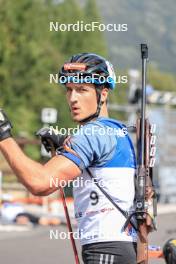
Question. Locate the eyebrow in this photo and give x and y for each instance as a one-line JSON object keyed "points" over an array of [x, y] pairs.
{"points": [[77, 87]]}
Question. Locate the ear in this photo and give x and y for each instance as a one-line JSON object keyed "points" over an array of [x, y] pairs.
{"points": [[104, 94]]}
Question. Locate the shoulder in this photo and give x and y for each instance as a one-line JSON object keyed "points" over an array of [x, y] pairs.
{"points": [[93, 133], [93, 144]]}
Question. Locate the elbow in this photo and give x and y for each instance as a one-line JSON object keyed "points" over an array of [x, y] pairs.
{"points": [[39, 187], [39, 183], [39, 191], [36, 191]]}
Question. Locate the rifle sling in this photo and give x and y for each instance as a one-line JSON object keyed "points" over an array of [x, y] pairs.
{"points": [[124, 213]]}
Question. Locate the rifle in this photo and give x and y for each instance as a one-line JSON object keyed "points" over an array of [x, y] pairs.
{"points": [[146, 198]]}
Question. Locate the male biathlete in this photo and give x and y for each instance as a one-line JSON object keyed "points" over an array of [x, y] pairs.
{"points": [[100, 157]]}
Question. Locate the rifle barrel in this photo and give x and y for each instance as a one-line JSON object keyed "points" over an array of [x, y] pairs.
{"points": [[144, 55]]}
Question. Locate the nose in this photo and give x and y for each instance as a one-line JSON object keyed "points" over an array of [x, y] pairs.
{"points": [[73, 96]]}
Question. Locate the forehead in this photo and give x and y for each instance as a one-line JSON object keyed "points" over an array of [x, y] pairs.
{"points": [[79, 85]]}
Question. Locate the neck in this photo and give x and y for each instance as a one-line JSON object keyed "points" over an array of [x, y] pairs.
{"points": [[103, 113]]}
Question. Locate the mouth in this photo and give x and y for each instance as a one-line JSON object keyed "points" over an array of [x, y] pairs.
{"points": [[75, 109]]}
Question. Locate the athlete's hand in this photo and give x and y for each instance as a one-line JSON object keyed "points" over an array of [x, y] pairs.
{"points": [[5, 126], [50, 139]]}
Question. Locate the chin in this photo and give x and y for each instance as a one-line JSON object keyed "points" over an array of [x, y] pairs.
{"points": [[77, 118]]}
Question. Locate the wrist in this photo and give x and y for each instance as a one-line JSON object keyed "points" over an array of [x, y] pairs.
{"points": [[5, 135], [5, 126], [5, 144]]}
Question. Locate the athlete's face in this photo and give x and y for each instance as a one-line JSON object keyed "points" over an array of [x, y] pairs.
{"points": [[82, 100]]}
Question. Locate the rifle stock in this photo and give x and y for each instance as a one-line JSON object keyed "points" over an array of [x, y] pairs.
{"points": [[145, 195]]}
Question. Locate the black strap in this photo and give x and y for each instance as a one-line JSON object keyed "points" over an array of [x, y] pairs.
{"points": [[124, 213], [99, 104]]}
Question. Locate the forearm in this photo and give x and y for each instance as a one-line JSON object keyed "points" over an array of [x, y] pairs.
{"points": [[35, 176], [32, 174]]}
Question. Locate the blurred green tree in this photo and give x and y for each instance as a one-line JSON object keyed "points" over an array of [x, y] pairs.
{"points": [[29, 52]]}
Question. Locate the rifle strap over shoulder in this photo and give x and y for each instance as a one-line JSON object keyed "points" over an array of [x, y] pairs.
{"points": [[124, 213]]}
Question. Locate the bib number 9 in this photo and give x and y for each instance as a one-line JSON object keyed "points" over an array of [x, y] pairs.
{"points": [[94, 197]]}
